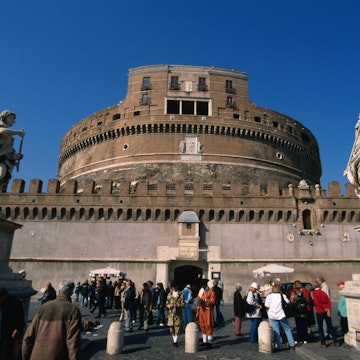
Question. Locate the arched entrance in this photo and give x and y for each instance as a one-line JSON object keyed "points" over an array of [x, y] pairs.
{"points": [[187, 274]]}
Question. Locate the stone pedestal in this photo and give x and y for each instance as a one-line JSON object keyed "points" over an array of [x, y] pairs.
{"points": [[351, 292], [15, 283]]}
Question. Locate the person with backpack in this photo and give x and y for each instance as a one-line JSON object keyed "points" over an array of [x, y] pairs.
{"points": [[253, 306], [300, 298]]}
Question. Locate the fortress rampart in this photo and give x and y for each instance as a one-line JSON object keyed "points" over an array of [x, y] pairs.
{"points": [[136, 226], [164, 201]]}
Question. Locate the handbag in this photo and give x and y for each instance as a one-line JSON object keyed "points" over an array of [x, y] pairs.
{"points": [[288, 308]]}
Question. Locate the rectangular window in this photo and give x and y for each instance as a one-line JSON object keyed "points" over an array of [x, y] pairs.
{"points": [[173, 107], [174, 83], [188, 107], [145, 99], [146, 85], [202, 108], [229, 87], [229, 101], [202, 84]]}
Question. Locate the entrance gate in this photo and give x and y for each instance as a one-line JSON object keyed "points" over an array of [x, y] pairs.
{"points": [[187, 274]]}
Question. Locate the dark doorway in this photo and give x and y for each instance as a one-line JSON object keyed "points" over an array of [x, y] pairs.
{"points": [[187, 274]]}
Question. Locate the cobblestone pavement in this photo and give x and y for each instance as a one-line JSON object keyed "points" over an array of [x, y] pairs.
{"points": [[157, 343]]}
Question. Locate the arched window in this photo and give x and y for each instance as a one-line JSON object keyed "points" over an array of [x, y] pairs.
{"points": [[251, 215], [138, 214], [72, 213], [307, 219], [231, 215], [167, 215], [221, 215], [211, 215]]}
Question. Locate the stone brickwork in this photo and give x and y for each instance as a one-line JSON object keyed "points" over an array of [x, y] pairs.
{"points": [[200, 127]]}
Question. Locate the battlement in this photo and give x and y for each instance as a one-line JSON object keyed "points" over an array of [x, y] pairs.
{"points": [[165, 201], [162, 188]]}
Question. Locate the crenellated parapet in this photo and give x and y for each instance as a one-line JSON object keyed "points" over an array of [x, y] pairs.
{"points": [[144, 201]]}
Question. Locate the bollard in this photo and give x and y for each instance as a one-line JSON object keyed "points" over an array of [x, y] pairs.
{"points": [[191, 338], [265, 337], [115, 339]]}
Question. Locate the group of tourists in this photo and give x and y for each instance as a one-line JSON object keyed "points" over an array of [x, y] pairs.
{"points": [[171, 307], [277, 307]]}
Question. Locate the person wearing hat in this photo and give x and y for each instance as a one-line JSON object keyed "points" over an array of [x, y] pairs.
{"points": [[188, 300], [253, 298], [175, 304], [205, 312], [342, 309], [300, 298]]}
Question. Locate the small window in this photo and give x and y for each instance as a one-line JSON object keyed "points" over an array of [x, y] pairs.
{"points": [[229, 87], [146, 85], [257, 119], [116, 117], [145, 99], [236, 116], [136, 113], [275, 124], [174, 83], [229, 101], [202, 84]]}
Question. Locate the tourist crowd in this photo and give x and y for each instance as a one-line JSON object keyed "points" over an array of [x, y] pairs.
{"points": [[56, 328]]}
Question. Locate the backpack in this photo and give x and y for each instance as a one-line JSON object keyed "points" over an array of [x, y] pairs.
{"points": [[300, 304], [246, 307]]}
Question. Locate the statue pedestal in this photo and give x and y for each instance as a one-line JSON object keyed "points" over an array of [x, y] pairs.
{"points": [[14, 283], [351, 292]]}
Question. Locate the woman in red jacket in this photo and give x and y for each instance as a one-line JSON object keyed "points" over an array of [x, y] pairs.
{"points": [[322, 304]]}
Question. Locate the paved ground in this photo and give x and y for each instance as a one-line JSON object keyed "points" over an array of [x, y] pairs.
{"points": [[157, 343]]}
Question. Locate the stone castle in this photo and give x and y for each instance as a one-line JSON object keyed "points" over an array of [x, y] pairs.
{"points": [[185, 178]]}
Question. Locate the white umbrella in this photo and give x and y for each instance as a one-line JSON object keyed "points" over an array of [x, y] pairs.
{"points": [[106, 272], [272, 269]]}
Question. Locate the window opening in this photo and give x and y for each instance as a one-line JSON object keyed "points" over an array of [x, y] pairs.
{"points": [[173, 107], [229, 86], [146, 85], [202, 84], [174, 83], [188, 107], [202, 108], [307, 219]]}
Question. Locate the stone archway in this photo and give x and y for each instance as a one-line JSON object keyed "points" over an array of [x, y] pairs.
{"points": [[187, 274]]}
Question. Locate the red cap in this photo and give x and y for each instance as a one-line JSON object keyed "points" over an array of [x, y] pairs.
{"points": [[340, 283]]}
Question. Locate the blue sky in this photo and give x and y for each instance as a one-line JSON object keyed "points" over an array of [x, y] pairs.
{"points": [[63, 60]]}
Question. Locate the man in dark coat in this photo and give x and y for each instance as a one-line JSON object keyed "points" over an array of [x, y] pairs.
{"points": [[49, 294], [55, 332], [12, 324]]}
